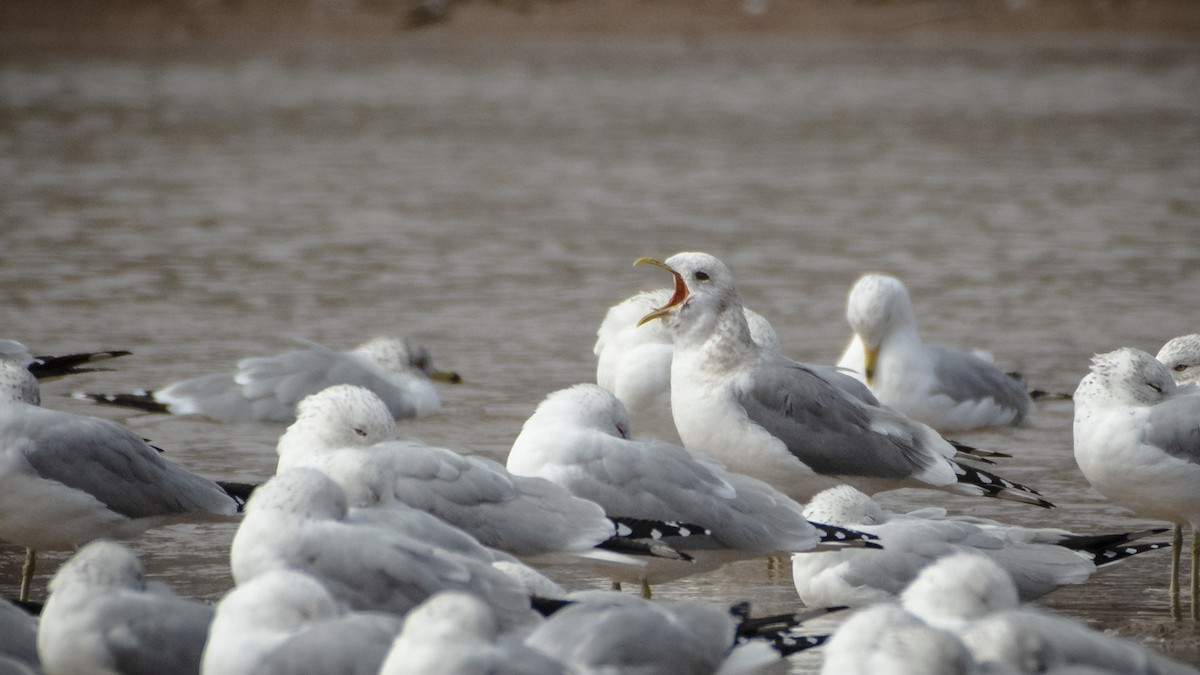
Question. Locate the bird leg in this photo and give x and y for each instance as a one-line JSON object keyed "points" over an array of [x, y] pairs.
{"points": [[1195, 567], [616, 585], [645, 589], [27, 573], [1176, 547]]}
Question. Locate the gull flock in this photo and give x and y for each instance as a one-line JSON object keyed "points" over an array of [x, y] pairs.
{"points": [[701, 443]]}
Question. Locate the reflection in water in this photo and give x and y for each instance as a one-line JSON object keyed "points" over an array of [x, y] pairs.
{"points": [[1038, 199]]}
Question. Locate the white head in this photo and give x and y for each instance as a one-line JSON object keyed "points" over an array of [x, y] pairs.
{"points": [[877, 306], [844, 506], [300, 491], [101, 563], [451, 615], [706, 299], [1127, 377], [958, 589], [1181, 356], [279, 599], [588, 406], [341, 416], [404, 355], [885, 638], [18, 385]]}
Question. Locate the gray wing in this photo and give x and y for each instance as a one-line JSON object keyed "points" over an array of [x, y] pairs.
{"points": [[965, 377], [149, 635], [1174, 427], [519, 514], [111, 463], [823, 426], [216, 396], [355, 644], [277, 383]]}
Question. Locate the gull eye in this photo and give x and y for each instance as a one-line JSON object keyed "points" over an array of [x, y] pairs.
{"points": [[701, 276], [1180, 368], [360, 432]]}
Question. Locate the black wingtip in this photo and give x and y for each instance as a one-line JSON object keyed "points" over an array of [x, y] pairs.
{"points": [[990, 485], [1116, 554], [239, 491], [844, 537], [46, 367], [140, 400]]}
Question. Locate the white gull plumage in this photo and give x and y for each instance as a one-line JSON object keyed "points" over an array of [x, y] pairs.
{"points": [[1137, 441], [974, 598], [634, 362], [103, 616], [300, 520], [66, 479], [785, 423], [946, 388], [267, 388], [1039, 559], [346, 432], [285, 622]]}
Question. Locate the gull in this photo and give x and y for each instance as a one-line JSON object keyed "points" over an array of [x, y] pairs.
{"points": [[975, 599], [580, 438], [103, 616], [18, 640], [288, 622], [66, 479], [267, 389], [456, 632], [610, 632], [946, 388], [783, 422], [300, 520], [1039, 559], [347, 433], [634, 362], [885, 638], [1137, 441], [1181, 356], [48, 367]]}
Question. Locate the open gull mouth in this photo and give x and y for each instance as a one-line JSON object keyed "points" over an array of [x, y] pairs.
{"points": [[677, 298]]}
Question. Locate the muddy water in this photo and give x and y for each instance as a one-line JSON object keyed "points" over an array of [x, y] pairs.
{"points": [[1039, 198]]}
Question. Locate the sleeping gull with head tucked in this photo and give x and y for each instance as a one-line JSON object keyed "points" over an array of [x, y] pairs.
{"points": [[1039, 559], [974, 598], [285, 622], [946, 388], [1137, 441], [783, 422], [347, 433], [66, 479], [300, 520], [267, 388], [103, 616]]}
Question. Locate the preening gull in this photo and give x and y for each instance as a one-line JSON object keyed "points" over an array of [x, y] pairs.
{"points": [[782, 422], [346, 432], [946, 388], [300, 520], [48, 367], [974, 598], [580, 438], [66, 479], [103, 616], [634, 362], [1137, 441], [1039, 559], [455, 632], [267, 389], [285, 622]]}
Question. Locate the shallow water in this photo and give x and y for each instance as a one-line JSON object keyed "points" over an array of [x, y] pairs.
{"points": [[1041, 199]]}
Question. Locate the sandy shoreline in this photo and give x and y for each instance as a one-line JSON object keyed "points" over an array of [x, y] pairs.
{"points": [[139, 24]]}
